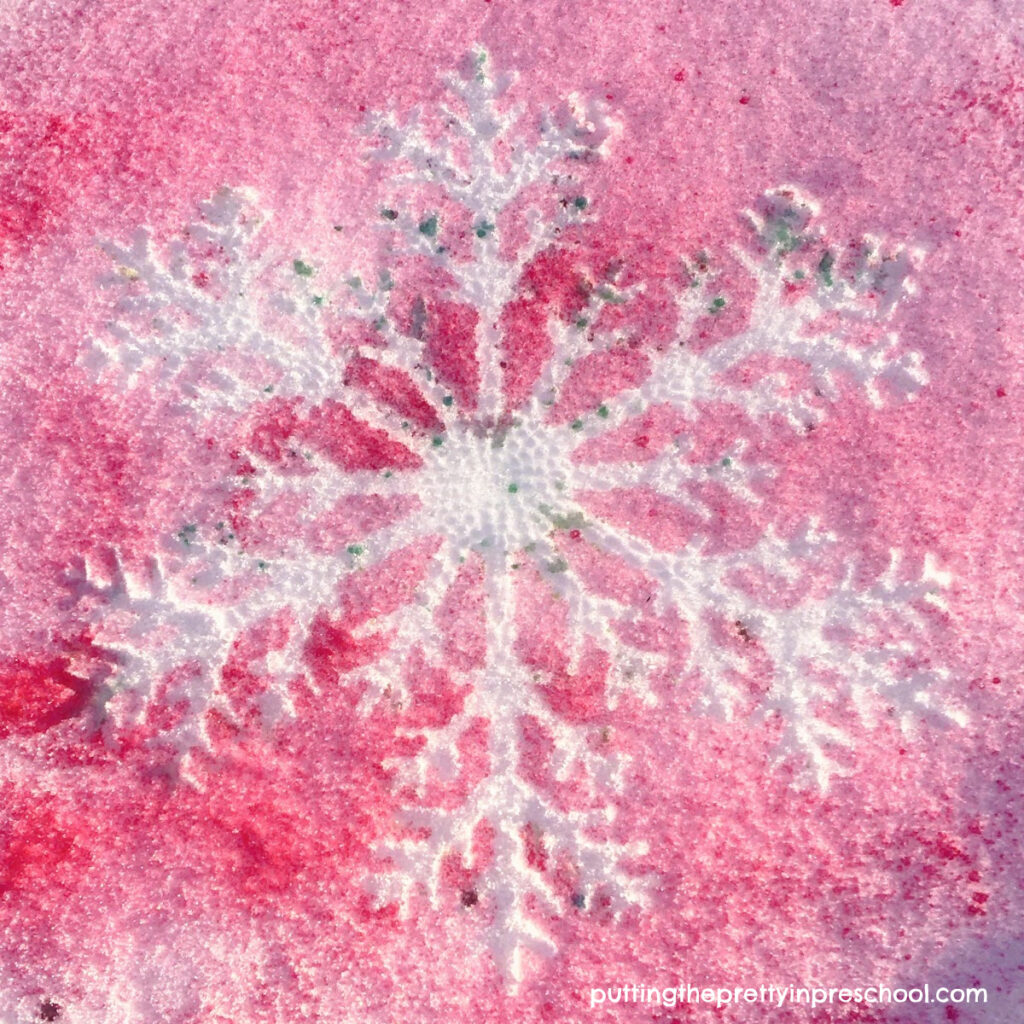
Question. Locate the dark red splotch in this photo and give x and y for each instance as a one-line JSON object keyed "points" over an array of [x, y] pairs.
{"points": [[460, 875], [354, 444], [38, 693], [534, 849], [394, 389], [42, 854], [241, 679], [333, 649], [46, 162]]}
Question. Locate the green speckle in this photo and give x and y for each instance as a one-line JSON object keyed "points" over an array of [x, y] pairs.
{"points": [[512, 488], [355, 282], [389, 214], [187, 534], [515, 565], [563, 521], [558, 565], [788, 242], [483, 229], [799, 275], [447, 400], [437, 441], [577, 424], [602, 411], [717, 305], [268, 389], [318, 300], [428, 227], [727, 462], [302, 269], [261, 565], [355, 549], [380, 323], [580, 202], [828, 261], [609, 296], [388, 473], [581, 323], [579, 901]]}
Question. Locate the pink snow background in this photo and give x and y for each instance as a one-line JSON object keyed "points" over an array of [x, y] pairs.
{"points": [[242, 903]]}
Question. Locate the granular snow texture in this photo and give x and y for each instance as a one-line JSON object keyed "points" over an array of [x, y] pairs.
{"points": [[512, 512]]}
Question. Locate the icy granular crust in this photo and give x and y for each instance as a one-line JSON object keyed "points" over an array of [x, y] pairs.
{"points": [[513, 537]]}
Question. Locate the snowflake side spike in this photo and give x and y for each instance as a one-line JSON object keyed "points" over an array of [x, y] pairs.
{"points": [[485, 190]]}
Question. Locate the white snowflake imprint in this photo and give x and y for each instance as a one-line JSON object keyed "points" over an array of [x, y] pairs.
{"points": [[483, 481]]}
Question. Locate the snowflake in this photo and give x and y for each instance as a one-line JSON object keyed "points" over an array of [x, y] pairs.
{"points": [[502, 502]]}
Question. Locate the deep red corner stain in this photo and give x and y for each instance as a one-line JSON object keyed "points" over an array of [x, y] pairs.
{"points": [[38, 693]]}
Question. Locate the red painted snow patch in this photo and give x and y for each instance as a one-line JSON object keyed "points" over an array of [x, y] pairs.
{"points": [[240, 677], [356, 516], [639, 439], [393, 388], [460, 617], [607, 574], [597, 377], [384, 587], [528, 347], [46, 161], [352, 443], [435, 698], [541, 624], [332, 648], [646, 513], [41, 853], [280, 429], [552, 286], [579, 696], [37, 693], [452, 351]]}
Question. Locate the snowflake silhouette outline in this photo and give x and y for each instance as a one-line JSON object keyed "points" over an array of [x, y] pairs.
{"points": [[494, 507]]}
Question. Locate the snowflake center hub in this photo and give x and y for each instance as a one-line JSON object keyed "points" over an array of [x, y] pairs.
{"points": [[495, 488]]}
